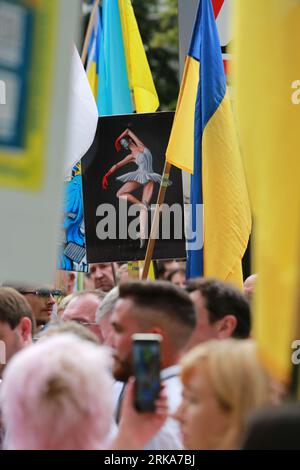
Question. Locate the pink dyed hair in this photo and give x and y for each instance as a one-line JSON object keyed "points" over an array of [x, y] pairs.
{"points": [[56, 394]]}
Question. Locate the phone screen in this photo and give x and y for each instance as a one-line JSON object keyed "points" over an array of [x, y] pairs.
{"points": [[146, 358]]}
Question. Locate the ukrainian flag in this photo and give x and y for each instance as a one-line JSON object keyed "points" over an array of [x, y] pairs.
{"points": [[93, 58], [118, 69], [203, 142]]}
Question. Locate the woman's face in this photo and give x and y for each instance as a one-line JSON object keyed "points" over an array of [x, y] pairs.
{"points": [[203, 421], [179, 279]]}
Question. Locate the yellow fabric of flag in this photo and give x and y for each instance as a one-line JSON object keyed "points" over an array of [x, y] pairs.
{"points": [[227, 216], [93, 78], [139, 74], [180, 151], [267, 65], [204, 142]]}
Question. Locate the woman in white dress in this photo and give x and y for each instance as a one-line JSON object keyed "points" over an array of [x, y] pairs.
{"points": [[144, 176]]}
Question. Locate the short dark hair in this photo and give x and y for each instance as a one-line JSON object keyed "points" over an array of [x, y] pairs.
{"points": [[169, 305], [223, 299], [13, 307], [275, 428]]}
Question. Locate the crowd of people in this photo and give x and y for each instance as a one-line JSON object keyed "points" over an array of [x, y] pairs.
{"points": [[70, 356]]}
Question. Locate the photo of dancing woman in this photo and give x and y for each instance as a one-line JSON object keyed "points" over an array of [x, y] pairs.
{"points": [[143, 177], [121, 177]]}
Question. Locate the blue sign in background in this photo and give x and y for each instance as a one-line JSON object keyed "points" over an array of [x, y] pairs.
{"points": [[16, 34]]}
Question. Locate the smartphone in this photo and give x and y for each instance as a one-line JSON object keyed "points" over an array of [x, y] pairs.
{"points": [[146, 363]]}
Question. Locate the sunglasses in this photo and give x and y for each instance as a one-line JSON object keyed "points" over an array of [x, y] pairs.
{"points": [[44, 292]]}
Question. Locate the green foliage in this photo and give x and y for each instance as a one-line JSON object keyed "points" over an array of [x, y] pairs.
{"points": [[158, 24]]}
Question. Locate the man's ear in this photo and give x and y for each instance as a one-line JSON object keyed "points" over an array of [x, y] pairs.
{"points": [[24, 329], [159, 331], [156, 330], [226, 326]]}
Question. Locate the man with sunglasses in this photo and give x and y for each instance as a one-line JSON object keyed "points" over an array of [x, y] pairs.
{"points": [[41, 301]]}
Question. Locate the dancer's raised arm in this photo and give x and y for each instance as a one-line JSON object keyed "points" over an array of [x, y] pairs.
{"points": [[135, 139]]}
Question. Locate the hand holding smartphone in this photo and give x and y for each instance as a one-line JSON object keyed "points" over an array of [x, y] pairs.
{"points": [[146, 363]]}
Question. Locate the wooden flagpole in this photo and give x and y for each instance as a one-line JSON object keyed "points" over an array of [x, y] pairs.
{"points": [[155, 223], [114, 273], [89, 32]]}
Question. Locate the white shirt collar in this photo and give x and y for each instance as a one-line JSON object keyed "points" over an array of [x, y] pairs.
{"points": [[169, 372]]}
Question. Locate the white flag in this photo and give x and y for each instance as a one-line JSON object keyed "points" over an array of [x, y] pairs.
{"points": [[83, 115]]}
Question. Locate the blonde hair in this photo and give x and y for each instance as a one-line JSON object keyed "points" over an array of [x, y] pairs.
{"points": [[238, 380], [57, 395]]}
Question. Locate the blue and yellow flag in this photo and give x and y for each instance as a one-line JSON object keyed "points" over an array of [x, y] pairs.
{"points": [[117, 68], [121, 82], [144, 96], [93, 57], [114, 95], [204, 142]]}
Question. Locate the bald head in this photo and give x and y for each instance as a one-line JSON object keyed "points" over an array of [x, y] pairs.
{"points": [[82, 309], [249, 286]]}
